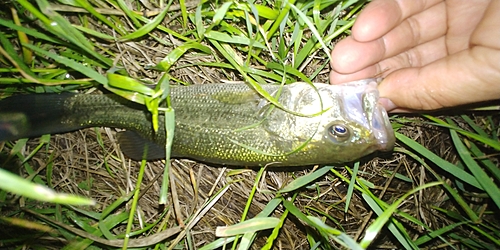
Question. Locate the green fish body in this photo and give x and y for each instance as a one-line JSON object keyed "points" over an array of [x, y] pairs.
{"points": [[228, 123]]}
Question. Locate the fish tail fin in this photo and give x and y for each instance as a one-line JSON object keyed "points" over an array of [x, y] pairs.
{"points": [[24, 116]]}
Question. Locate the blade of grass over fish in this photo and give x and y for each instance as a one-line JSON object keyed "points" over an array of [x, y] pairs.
{"points": [[304, 180], [484, 180], [297, 149], [129, 84], [72, 64], [169, 127], [236, 61], [147, 28], [444, 165], [163, 87], [175, 54], [253, 71], [17, 185]]}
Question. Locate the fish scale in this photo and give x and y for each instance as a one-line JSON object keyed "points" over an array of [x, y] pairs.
{"points": [[228, 123]]}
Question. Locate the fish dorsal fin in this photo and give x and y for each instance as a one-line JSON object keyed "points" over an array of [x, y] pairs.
{"points": [[133, 145]]}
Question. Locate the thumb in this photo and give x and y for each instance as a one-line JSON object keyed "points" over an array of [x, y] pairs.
{"points": [[466, 77]]}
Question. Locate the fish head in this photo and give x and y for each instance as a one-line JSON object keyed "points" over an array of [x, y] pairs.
{"points": [[344, 123]]}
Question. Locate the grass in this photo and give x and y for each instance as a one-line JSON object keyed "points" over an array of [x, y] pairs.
{"points": [[438, 189]]}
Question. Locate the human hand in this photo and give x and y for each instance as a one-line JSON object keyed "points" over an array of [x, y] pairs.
{"points": [[433, 54]]}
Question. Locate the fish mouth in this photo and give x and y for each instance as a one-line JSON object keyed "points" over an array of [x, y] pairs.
{"points": [[382, 129], [377, 118]]}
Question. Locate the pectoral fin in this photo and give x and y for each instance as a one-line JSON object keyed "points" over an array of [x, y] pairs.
{"points": [[137, 147]]}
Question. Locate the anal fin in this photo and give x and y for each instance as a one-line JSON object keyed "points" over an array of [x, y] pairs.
{"points": [[137, 147]]}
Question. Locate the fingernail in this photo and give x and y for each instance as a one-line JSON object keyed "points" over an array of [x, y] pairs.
{"points": [[387, 104]]}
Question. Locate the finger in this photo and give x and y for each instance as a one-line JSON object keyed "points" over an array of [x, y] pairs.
{"points": [[416, 57], [466, 77], [488, 30], [350, 55], [369, 72], [381, 16]]}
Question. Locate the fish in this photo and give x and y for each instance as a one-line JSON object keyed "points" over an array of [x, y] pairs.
{"points": [[223, 123]]}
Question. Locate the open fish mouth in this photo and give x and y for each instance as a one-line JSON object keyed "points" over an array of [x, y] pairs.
{"points": [[373, 115], [378, 118], [382, 129]]}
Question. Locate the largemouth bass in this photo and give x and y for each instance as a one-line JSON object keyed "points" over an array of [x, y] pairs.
{"points": [[228, 123]]}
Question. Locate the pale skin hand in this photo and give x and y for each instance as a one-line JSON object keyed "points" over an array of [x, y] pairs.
{"points": [[433, 53]]}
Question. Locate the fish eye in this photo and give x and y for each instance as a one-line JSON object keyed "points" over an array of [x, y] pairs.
{"points": [[339, 132]]}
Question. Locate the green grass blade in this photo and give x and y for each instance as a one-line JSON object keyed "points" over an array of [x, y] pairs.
{"points": [[444, 165], [17, 185], [304, 180], [484, 180]]}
